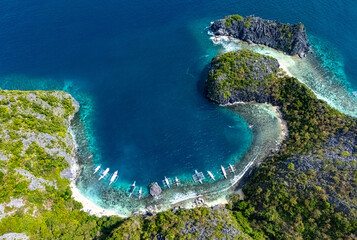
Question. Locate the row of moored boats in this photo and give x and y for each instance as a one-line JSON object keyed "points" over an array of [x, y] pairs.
{"points": [[198, 177]]}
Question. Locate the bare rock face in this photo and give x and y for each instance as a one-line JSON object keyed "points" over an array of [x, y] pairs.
{"points": [[155, 189], [14, 236], [288, 38]]}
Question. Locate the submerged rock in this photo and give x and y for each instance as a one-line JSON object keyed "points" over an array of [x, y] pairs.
{"points": [[288, 38]]}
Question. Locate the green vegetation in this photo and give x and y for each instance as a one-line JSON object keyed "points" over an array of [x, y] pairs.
{"points": [[184, 224], [300, 26], [306, 191], [237, 18], [49, 213], [247, 24], [231, 18], [235, 70], [345, 154], [284, 201]]}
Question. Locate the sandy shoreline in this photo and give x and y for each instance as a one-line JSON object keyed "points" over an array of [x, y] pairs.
{"points": [[219, 195], [90, 207], [187, 197]]}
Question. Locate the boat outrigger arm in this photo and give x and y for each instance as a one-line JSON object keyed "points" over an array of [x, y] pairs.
{"points": [[198, 177], [232, 168], [113, 177], [132, 188], [104, 174], [96, 169], [224, 172]]}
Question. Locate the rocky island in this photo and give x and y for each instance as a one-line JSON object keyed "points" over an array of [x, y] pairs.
{"points": [[313, 177], [290, 39]]}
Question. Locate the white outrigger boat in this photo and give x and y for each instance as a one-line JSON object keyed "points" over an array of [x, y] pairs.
{"points": [[104, 174], [177, 181], [132, 188], [198, 176], [231, 167], [167, 182], [211, 175], [224, 172], [113, 177], [96, 169], [140, 192]]}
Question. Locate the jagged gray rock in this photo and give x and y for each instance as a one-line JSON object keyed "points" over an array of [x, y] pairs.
{"points": [[36, 182], [14, 236], [155, 189], [288, 38], [14, 203]]}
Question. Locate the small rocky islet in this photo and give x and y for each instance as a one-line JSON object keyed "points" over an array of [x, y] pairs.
{"points": [[291, 39]]}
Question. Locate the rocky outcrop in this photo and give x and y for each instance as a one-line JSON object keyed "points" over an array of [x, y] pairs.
{"points": [[36, 182], [331, 170], [155, 189], [14, 236], [13, 205], [288, 38], [240, 77]]}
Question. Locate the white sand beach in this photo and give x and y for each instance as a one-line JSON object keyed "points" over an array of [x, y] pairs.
{"points": [[89, 206]]}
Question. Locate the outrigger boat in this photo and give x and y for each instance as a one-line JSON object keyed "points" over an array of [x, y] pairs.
{"points": [[104, 174], [167, 182], [211, 175], [198, 176], [96, 169], [140, 192], [231, 167], [132, 188], [224, 172], [113, 177]]}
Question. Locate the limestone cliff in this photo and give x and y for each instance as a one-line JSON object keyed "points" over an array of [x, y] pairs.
{"points": [[288, 38], [240, 77]]}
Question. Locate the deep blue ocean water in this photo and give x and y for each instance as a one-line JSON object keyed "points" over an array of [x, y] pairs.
{"points": [[137, 69]]}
